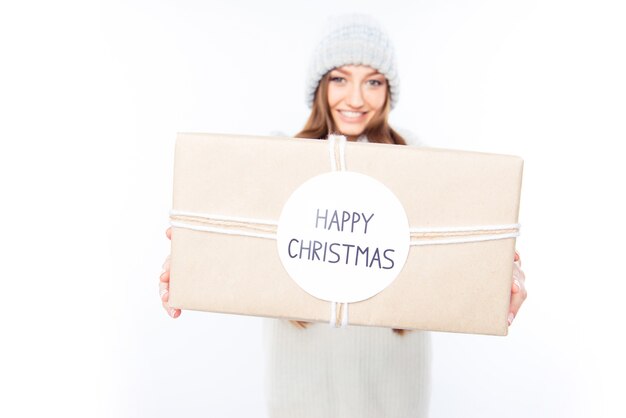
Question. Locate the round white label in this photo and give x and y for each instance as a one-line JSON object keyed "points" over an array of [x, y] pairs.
{"points": [[343, 236]]}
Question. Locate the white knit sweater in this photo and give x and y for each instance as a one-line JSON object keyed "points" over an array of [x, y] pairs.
{"points": [[358, 372]]}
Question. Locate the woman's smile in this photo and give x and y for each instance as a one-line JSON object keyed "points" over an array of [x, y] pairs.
{"points": [[352, 116]]}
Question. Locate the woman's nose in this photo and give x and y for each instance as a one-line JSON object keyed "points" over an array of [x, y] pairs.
{"points": [[355, 96]]}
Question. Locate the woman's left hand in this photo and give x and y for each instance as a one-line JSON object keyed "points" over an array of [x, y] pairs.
{"points": [[518, 288]]}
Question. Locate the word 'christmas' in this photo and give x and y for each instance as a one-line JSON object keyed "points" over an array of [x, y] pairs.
{"points": [[335, 252]]}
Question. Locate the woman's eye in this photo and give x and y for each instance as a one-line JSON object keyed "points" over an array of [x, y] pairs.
{"points": [[375, 82], [337, 79]]}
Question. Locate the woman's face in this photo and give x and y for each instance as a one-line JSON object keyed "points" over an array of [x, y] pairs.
{"points": [[355, 94]]}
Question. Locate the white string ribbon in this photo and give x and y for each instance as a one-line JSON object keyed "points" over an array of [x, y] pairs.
{"points": [[463, 240], [441, 229], [232, 225], [174, 212], [344, 317], [205, 228], [338, 319], [336, 151]]}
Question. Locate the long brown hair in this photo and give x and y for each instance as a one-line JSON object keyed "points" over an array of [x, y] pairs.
{"points": [[320, 123]]}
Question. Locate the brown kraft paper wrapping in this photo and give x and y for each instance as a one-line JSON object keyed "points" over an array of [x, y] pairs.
{"points": [[463, 287]]}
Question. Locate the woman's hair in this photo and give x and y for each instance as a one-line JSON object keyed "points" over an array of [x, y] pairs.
{"points": [[320, 123]]}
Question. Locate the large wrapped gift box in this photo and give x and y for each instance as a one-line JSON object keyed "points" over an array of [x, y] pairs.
{"points": [[230, 198]]}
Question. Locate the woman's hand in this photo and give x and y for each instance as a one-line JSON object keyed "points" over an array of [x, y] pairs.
{"points": [[164, 283], [518, 288]]}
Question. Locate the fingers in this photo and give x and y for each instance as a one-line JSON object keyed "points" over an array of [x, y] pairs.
{"points": [[164, 290], [401, 332], [518, 278], [518, 274], [518, 292], [164, 283], [166, 264], [165, 276], [300, 324], [173, 312]]}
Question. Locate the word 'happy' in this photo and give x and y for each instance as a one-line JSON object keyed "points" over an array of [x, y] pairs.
{"points": [[339, 223]]}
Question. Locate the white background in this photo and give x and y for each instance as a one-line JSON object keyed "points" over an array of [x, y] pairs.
{"points": [[92, 95]]}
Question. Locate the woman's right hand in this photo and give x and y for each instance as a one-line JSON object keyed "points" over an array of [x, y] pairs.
{"points": [[164, 283]]}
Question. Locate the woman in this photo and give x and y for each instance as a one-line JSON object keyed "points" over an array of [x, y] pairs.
{"points": [[314, 370]]}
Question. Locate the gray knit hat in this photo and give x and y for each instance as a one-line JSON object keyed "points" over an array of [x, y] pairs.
{"points": [[353, 39]]}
